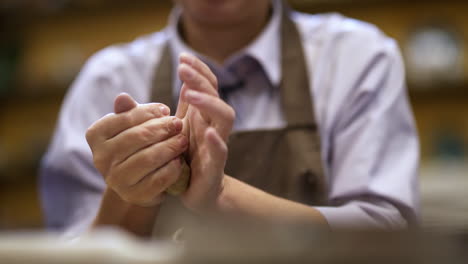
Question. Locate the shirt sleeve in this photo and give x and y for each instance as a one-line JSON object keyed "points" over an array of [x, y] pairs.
{"points": [[70, 186], [372, 145]]}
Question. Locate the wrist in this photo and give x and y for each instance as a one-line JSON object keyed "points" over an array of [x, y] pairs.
{"points": [[224, 202], [239, 199], [114, 211]]}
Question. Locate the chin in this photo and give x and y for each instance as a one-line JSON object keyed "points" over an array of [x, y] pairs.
{"points": [[218, 12]]}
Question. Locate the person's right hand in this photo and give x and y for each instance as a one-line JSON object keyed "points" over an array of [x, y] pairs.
{"points": [[137, 150]]}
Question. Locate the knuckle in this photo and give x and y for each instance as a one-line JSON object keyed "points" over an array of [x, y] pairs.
{"points": [[90, 134], [158, 110], [168, 126], [103, 157], [145, 135], [99, 161], [126, 119], [174, 145], [161, 105], [160, 128]]}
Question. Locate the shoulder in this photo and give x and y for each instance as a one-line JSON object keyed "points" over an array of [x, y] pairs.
{"points": [[346, 48], [345, 39], [336, 27], [137, 57], [349, 60]]}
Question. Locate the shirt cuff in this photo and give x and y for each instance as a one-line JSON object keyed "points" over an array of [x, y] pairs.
{"points": [[363, 215]]}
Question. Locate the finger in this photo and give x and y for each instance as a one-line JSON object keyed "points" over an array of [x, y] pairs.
{"points": [[214, 110], [113, 124], [149, 190], [196, 80], [182, 106], [217, 148], [133, 169], [139, 137], [200, 67], [124, 102], [201, 192]]}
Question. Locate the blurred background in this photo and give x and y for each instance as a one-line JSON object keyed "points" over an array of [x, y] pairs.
{"points": [[44, 43]]}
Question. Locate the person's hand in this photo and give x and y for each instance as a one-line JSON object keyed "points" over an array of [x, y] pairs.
{"points": [[208, 121], [137, 150]]}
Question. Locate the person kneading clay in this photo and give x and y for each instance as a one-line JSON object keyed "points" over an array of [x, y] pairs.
{"points": [[277, 116]]}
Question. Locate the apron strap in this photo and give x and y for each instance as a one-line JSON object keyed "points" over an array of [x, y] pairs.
{"points": [[161, 90], [294, 88]]}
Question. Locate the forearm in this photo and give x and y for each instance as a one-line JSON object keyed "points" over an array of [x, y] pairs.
{"points": [[237, 199], [132, 218]]}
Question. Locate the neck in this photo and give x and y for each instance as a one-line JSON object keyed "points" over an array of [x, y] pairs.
{"points": [[219, 42]]}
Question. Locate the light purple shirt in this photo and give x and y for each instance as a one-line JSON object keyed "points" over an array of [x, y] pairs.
{"points": [[369, 143]]}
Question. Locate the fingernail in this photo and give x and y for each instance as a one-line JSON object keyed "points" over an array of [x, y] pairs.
{"points": [[193, 96], [164, 110], [177, 123]]}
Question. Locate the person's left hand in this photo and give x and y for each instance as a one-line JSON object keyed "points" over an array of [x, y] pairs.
{"points": [[209, 121]]}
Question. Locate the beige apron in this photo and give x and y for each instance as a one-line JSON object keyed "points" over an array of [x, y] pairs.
{"points": [[285, 162]]}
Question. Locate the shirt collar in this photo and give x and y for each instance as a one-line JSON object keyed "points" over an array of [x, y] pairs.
{"points": [[265, 48]]}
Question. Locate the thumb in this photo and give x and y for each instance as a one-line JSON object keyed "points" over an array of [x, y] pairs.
{"points": [[182, 106], [123, 103]]}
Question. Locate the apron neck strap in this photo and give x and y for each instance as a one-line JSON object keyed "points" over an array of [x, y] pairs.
{"points": [[163, 80], [294, 88]]}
